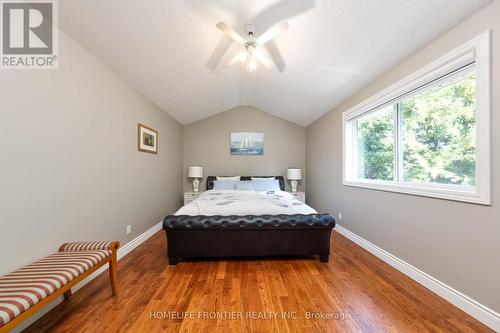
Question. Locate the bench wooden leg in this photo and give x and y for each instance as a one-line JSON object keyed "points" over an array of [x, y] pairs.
{"points": [[113, 275], [68, 293]]}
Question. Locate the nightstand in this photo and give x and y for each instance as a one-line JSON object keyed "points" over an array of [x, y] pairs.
{"points": [[301, 196], [190, 196]]}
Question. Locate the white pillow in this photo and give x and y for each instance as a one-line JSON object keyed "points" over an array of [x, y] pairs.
{"points": [[262, 178], [228, 178]]}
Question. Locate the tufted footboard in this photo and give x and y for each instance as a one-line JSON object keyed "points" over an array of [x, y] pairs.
{"points": [[248, 235]]}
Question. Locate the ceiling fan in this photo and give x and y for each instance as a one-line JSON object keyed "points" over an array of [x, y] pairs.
{"points": [[252, 53]]}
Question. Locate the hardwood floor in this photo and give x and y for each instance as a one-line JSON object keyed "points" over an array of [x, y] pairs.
{"points": [[358, 292]]}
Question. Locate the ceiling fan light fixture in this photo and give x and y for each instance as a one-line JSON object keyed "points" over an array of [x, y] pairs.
{"points": [[251, 55]]}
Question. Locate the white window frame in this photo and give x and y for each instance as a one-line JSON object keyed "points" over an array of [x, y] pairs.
{"points": [[478, 51]]}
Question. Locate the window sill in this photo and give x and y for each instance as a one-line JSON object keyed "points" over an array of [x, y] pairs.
{"points": [[422, 190]]}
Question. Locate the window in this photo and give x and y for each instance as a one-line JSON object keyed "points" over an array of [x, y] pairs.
{"points": [[438, 133], [428, 134], [375, 145]]}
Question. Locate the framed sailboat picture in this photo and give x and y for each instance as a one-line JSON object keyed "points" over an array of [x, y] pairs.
{"points": [[247, 143]]}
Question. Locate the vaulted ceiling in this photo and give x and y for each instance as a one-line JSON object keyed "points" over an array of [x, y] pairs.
{"points": [[167, 49]]}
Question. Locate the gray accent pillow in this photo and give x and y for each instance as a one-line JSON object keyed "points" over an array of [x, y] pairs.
{"points": [[266, 185], [225, 184], [245, 185]]}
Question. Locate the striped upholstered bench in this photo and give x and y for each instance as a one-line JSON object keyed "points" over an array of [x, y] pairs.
{"points": [[27, 290]]}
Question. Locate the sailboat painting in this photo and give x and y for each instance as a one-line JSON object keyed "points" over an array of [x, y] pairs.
{"points": [[247, 143]]}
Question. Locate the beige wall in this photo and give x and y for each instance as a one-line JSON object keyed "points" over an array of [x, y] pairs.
{"points": [[206, 143], [69, 165], [457, 243]]}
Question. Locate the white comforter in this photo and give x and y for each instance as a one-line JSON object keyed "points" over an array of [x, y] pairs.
{"points": [[234, 202]]}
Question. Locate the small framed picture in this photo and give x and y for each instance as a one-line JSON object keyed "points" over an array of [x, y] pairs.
{"points": [[247, 143], [147, 139]]}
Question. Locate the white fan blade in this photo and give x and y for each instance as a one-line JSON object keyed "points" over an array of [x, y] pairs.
{"points": [[236, 59], [275, 55], [230, 32], [262, 59], [219, 52], [273, 32]]}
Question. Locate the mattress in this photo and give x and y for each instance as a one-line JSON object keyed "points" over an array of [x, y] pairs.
{"points": [[237, 202]]}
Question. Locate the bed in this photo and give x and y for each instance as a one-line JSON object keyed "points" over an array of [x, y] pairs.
{"points": [[234, 223]]}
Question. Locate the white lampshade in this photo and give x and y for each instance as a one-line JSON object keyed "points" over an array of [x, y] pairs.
{"points": [[294, 174], [195, 172]]}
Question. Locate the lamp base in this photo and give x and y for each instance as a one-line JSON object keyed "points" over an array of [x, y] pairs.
{"points": [[196, 185], [294, 185]]}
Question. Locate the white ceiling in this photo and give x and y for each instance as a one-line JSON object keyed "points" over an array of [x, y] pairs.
{"points": [[164, 48]]}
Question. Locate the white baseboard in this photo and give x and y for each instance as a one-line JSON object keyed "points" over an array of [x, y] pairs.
{"points": [[127, 248], [477, 310], [122, 252]]}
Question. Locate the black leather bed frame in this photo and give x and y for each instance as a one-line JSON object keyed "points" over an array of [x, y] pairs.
{"points": [[249, 235], [212, 179]]}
